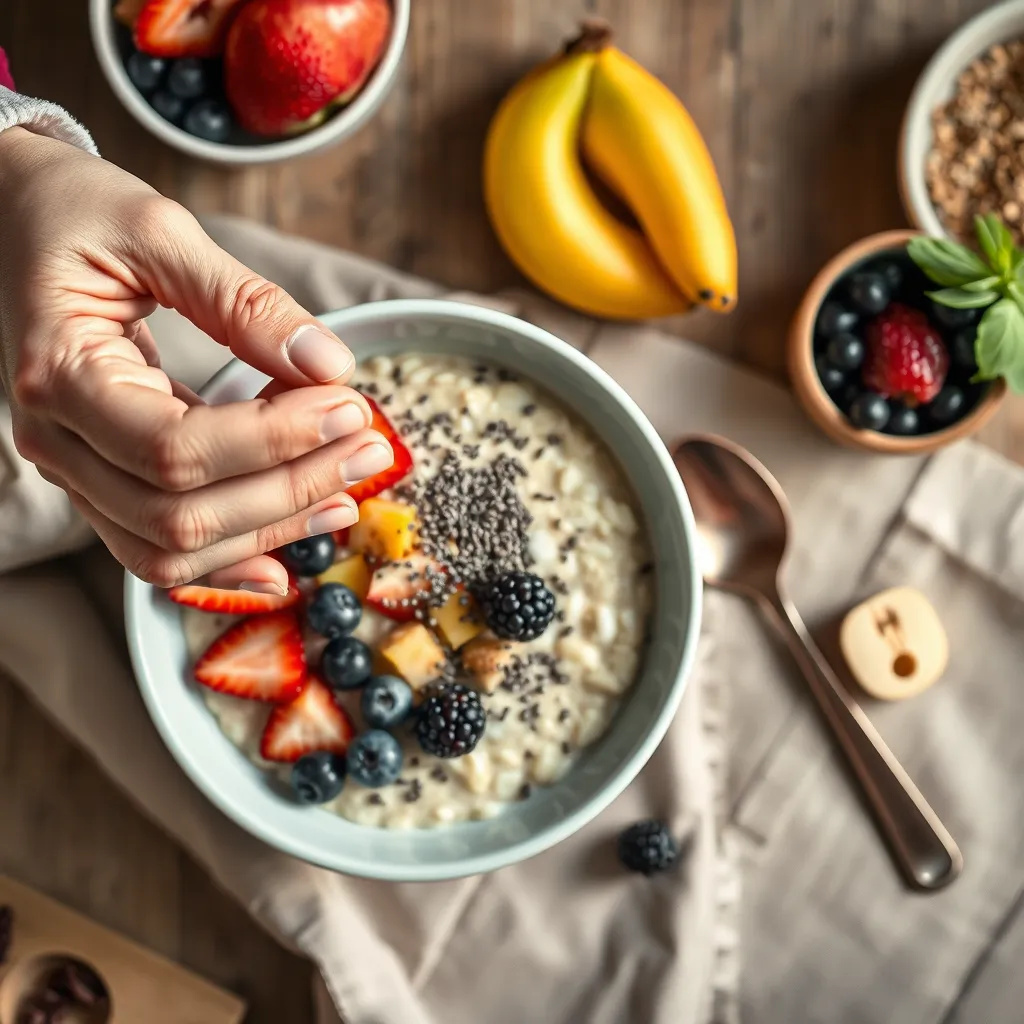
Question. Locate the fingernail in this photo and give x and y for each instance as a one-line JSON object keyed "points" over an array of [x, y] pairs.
{"points": [[344, 420], [319, 355], [263, 587], [368, 461], [338, 517]]}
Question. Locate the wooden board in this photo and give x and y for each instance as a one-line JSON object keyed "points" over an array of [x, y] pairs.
{"points": [[143, 986]]}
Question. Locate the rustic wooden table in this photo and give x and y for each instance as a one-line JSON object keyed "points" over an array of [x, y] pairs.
{"points": [[800, 101]]}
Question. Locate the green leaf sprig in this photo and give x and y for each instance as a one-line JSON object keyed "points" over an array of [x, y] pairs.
{"points": [[993, 281]]}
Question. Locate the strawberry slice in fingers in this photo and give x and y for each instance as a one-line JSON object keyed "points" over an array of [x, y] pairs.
{"points": [[232, 602], [313, 721], [184, 28], [259, 658], [373, 485]]}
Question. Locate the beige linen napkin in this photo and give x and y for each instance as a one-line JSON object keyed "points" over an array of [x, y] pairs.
{"points": [[827, 932]]}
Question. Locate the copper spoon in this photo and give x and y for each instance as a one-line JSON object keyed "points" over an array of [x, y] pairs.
{"points": [[743, 524]]}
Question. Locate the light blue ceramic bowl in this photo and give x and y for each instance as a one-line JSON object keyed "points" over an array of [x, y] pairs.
{"points": [[241, 791]]}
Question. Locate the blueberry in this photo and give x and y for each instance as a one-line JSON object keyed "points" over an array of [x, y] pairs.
{"points": [[374, 758], [831, 378], [346, 663], [891, 272], [869, 411], [309, 556], [169, 107], [187, 79], [954, 319], [946, 405], [334, 610], [145, 71], [834, 319], [903, 421], [848, 396], [869, 292], [208, 120], [317, 778], [962, 349], [386, 702], [845, 351]]}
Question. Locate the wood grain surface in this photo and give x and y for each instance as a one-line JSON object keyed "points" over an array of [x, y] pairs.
{"points": [[800, 102]]}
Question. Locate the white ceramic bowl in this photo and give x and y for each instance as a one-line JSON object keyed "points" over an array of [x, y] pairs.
{"points": [[1000, 23], [243, 791], [345, 122]]}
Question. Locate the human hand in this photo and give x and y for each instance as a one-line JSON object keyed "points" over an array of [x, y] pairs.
{"points": [[174, 487]]}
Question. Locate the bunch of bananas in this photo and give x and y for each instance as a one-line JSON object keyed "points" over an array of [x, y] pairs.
{"points": [[592, 106]]}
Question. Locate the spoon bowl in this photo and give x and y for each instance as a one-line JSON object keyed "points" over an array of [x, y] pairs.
{"points": [[742, 516], [743, 524]]}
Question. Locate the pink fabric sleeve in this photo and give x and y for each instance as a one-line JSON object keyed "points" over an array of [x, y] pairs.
{"points": [[5, 72]]}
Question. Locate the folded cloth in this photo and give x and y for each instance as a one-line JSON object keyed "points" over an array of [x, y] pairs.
{"points": [[827, 932]]}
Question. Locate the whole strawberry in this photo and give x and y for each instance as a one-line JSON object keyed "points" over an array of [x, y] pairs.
{"points": [[287, 61], [906, 358]]}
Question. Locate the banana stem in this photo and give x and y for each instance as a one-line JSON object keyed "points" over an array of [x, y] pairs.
{"points": [[595, 35]]}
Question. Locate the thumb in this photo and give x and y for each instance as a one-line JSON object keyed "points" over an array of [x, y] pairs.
{"points": [[257, 320]]}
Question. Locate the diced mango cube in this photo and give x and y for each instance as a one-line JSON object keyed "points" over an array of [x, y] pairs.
{"points": [[353, 572], [413, 653], [487, 660], [386, 529], [458, 620]]}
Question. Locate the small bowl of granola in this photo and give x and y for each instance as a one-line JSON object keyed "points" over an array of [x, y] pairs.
{"points": [[487, 658], [963, 130]]}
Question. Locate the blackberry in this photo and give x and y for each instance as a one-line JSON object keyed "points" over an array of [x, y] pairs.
{"points": [[647, 847], [517, 605], [451, 721]]}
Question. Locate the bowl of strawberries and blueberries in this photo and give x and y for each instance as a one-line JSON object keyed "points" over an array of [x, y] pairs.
{"points": [[246, 72], [913, 340]]}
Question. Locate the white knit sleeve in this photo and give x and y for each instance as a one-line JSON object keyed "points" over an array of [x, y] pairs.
{"points": [[43, 118]]}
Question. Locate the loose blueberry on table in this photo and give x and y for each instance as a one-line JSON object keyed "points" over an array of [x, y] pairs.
{"points": [[892, 359], [648, 847]]}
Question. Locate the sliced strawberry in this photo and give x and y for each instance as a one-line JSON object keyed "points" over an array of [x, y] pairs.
{"points": [[232, 602], [184, 28], [261, 658], [373, 485], [127, 11], [398, 589], [313, 721]]}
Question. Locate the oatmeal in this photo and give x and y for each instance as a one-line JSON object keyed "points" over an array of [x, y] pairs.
{"points": [[508, 559]]}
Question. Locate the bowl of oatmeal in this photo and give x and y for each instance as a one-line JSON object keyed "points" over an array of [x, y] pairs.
{"points": [[961, 142], [486, 660]]}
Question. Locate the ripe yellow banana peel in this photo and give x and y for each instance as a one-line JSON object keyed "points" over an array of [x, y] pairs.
{"points": [[592, 104]]}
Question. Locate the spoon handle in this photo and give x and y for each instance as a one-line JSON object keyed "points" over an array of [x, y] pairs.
{"points": [[923, 849]]}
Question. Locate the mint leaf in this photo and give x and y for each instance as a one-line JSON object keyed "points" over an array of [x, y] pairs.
{"points": [[961, 298], [986, 284], [947, 262], [988, 242], [1014, 291], [999, 347], [1005, 249]]}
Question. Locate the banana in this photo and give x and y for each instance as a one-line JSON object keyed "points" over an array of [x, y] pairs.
{"points": [[639, 139], [545, 212]]}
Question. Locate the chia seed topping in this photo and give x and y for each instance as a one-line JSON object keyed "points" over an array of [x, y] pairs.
{"points": [[472, 520]]}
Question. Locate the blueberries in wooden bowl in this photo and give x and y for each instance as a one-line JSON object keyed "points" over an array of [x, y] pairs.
{"points": [[884, 350]]}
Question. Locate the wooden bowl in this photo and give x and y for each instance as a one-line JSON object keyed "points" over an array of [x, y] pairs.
{"points": [[815, 399]]}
